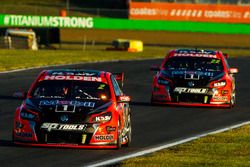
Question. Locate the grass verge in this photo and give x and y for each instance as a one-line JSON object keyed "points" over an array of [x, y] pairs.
{"points": [[21, 59], [231, 148]]}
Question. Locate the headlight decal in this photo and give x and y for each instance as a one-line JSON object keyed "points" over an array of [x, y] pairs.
{"points": [[163, 81], [29, 115]]}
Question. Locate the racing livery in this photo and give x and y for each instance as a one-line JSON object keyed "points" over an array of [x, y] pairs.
{"points": [[193, 77], [74, 108]]}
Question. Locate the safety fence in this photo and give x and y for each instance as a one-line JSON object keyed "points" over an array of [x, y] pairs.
{"points": [[13, 43], [62, 10]]}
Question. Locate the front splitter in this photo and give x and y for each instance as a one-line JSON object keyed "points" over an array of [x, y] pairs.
{"points": [[65, 145]]}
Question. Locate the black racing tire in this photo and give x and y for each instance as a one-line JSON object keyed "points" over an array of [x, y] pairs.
{"points": [[12, 137], [119, 136], [232, 100], [129, 133], [152, 101]]}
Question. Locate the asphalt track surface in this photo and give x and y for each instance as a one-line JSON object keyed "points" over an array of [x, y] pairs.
{"points": [[152, 125]]}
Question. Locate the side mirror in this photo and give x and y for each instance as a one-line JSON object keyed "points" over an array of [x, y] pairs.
{"points": [[154, 68], [226, 55], [233, 70], [119, 77], [20, 95], [123, 98]]}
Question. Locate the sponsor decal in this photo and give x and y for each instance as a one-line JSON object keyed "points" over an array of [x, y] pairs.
{"points": [[64, 118], [72, 77], [63, 127], [110, 129], [195, 55], [191, 90], [104, 137], [84, 137], [200, 73], [66, 104], [65, 108], [102, 118], [178, 72], [220, 98], [24, 134], [74, 73], [101, 87], [189, 12], [48, 21], [192, 76]]}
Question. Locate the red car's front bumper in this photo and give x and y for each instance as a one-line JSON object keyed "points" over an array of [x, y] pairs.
{"points": [[65, 145], [214, 98], [192, 104]]}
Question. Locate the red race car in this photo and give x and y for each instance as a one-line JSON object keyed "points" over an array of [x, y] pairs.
{"points": [[74, 108], [193, 77]]}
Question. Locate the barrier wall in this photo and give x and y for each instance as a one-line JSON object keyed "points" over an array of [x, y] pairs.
{"points": [[179, 26], [190, 12], [122, 24]]}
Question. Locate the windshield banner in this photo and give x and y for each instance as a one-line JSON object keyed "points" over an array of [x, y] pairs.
{"points": [[189, 12]]}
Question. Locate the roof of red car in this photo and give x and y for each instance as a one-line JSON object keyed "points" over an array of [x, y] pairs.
{"points": [[195, 53], [77, 75]]}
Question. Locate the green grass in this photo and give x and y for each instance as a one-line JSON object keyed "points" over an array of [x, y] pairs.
{"points": [[21, 59], [230, 148]]}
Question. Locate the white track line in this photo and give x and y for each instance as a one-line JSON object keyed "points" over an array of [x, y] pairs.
{"points": [[163, 146], [32, 68], [105, 61]]}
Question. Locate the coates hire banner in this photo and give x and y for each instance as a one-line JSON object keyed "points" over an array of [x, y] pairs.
{"points": [[190, 12], [46, 21]]}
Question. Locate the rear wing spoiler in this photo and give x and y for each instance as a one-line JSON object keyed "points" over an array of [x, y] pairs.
{"points": [[119, 77]]}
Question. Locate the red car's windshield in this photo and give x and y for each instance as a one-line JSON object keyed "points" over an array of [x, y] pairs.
{"points": [[71, 89], [194, 64]]}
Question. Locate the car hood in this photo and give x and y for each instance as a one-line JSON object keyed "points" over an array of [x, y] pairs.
{"points": [[191, 78], [87, 106]]}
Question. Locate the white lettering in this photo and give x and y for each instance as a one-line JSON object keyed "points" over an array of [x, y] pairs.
{"points": [[64, 127], [217, 14], [49, 21], [78, 78], [143, 11], [191, 90]]}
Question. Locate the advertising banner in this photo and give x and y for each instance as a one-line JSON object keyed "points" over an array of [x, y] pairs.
{"points": [[121, 24], [46, 21], [189, 12]]}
